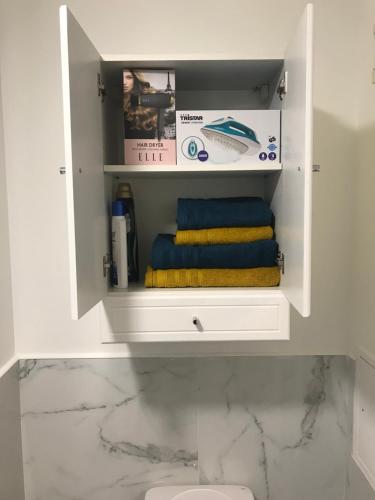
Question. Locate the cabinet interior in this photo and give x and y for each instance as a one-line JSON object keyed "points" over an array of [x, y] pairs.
{"points": [[200, 85], [207, 85]]}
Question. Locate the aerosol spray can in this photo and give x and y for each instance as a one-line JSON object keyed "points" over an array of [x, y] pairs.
{"points": [[119, 273], [124, 193]]}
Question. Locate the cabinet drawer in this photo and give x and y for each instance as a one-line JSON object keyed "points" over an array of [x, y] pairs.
{"points": [[133, 323]]}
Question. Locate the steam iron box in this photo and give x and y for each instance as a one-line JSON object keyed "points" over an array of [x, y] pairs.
{"points": [[230, 136]]}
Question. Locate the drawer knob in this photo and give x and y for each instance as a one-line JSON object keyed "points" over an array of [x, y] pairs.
{"points": [[197, 324]]}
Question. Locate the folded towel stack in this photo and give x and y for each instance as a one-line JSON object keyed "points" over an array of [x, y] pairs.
{"points": [[182, 278], [219, 242], [219, 236]]}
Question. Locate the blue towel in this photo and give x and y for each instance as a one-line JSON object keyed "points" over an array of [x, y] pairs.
{"points": [[167, 255], [222, 212]]}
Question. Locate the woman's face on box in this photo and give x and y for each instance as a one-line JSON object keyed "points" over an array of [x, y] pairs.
{"points": [[128, 81]]}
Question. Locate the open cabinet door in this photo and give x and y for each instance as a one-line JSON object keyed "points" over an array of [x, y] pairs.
{"points": [[292, 197], [87, 218]]}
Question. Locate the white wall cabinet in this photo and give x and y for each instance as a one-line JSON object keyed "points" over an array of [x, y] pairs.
{"points": [[94, 163]]}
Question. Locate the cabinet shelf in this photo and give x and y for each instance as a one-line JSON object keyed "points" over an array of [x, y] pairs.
{"points": [[138, 290], [266, 168]]}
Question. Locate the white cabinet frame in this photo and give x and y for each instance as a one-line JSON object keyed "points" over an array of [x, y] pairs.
{"points": [[88, 212]]}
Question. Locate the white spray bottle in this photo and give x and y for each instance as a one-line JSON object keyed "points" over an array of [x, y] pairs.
{"points": [[119, 247]]}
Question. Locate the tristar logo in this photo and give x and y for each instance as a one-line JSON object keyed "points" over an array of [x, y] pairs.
{"points": [[186, 117]]}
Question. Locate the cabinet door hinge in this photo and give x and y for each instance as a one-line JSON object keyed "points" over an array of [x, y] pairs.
{"points": [[281, 261], [101, 88], [282, 88], [106, 265]]}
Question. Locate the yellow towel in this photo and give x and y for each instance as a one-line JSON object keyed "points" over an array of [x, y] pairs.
{"points": [[181, 278], [222, 235]]}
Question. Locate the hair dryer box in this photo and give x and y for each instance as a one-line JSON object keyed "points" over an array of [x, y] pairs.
{"points": [[149, 117], [230, 136]]}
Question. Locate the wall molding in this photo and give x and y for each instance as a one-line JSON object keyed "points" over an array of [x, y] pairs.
{"points": [[164, 354], [127, 354], [369, 360], [8, 365]]}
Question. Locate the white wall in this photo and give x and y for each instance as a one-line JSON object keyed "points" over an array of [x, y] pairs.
{"points": [[34, 152], [363, 299], [6, 317], [363, 329]]}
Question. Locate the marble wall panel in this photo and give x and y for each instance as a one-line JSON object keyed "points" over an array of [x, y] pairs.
{"points": [[110, 429]]}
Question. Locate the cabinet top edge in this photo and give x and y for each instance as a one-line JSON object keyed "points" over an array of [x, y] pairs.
{"points": [[191, 57]]}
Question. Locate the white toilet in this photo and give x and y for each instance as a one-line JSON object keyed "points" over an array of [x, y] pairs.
{"points": [[202, 492]]}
